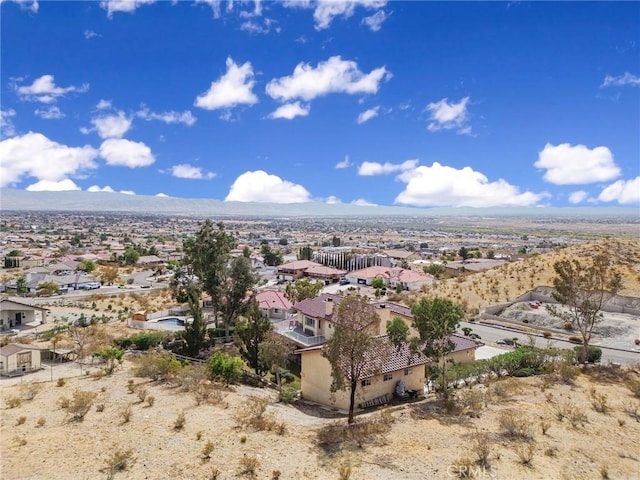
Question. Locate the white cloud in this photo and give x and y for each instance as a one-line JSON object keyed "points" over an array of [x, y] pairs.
{"points": [[327, 10], [624, 192], [128, 192], [31, 5], [110, 126], [364, 203], [103, 104], [259, 186], [368, 115], [52, 186], [566, 164], [375, 21], [44, 90], [628, 79], [50, 113], [127, 6], [448, 116], [375, 168], [126, 153], [164, 195], [332, 76], [290, 111], [90, 34], [185, 117], [232, 89], [184, 170], [257, 28], [7, 129], [96, 188], [34, 155], [332, 200], [215, 6], [578, 197], [344, 163], [440, 185]]}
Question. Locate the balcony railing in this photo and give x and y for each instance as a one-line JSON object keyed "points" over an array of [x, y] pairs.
{"points": [[292, 330]]}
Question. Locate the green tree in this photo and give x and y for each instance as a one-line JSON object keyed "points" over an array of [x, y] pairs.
{"points": [[377, 282], [48, 288], [14, 253], [583, 287], [491, 254], [335, 241], [435, 269], [238, 281], [87, 266], [271, 257], [435, 319], [283, 241], [349, 348], [208, 254], [274, 352], [246, 252], [224, 367], [305, 253], [250, 332], [398, 332], [21, 285], [301, 289], [112, 356], [464, 253], [195, 332], [131, 255]]}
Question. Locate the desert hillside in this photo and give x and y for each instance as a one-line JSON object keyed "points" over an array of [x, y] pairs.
{"points": [[537, 428], [514, 279]]}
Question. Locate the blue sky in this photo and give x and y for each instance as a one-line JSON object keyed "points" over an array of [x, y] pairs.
{"points": [[391, 103]]}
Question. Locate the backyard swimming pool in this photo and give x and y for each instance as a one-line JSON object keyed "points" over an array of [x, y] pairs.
{"points": [[172, 321]]}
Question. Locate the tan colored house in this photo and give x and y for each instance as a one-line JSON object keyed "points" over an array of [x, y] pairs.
{"points": [[377, 388], [14, 314], [392, 277], [273, 304], [16, 359], [293, 270]]}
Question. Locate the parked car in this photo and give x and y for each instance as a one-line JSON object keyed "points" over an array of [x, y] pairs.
{"points": [[344, 281]]}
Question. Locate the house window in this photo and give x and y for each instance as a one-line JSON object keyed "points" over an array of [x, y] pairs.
{"points": [[408, 371], [387, 377], [24, 359], [275, 310], [366, 382], [310, 322]]}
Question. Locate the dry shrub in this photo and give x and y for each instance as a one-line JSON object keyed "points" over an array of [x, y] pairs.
{"points": [[471, 402], [598, 401], [142, 394], [481, 447], [544, 426], [207, 392], [158, 366], [525, 453], [207, 450], [150, 400], [575, 415], [359, 431], [61, 382], [634, 386], [463, 467], [179, 422], [41, 421], [78, 405], [119, 461], [514, 425], [631, 409], [344, 471], [13, 401], [249, 465], [20, 420], [28, 391], [252, 413], [126, 414]]}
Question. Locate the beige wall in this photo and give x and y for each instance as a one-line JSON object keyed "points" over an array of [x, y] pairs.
{"points": [[316, 382], [10, 362]]}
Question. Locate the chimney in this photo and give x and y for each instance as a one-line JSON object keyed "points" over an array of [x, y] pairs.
{"points": [[328, 307]]}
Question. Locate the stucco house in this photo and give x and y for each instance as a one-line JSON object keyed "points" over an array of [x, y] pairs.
{"points": [[392, 277], [389, 366], [273, 304], [293, 270], [16, 359], [14, 314]]}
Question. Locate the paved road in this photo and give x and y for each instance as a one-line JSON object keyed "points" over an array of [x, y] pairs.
{"points": [[492, 333]]}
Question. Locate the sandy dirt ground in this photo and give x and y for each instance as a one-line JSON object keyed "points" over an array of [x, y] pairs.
{"points": [[39, 441]]}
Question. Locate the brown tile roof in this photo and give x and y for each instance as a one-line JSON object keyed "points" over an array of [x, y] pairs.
{"points": [[316, 307], [395, 308], [322, 270], [272, 299], [298, 265]]}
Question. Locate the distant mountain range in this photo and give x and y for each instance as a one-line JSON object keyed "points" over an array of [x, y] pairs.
{"points": [[83, 201]]}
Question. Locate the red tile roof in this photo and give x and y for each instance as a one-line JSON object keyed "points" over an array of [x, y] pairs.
{"points": [[268, 299]]}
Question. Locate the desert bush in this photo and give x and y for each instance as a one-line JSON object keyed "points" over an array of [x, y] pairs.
{"points": [[179, 422], [131, 387], [126, 414], [252, 413], [631, 408], [525, 453], [575, 415], [157, 365], [275, 475], [19, 441], [224, 367], [514, 425], [119, 461], [150, 400], [471, 402], [288, 394], [594, 354], [249, 465], [61, 382], [544, 426], [463, 467], [78, 405], [359, 432], [598, 401], [20, 420], [142, 341], [481, 447], [208, 393], [28, 391], [207, 450], [41, 421], [100, 407], [13, 401], [142, 394], [215, 473], [634, 387], [344, 471]]}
